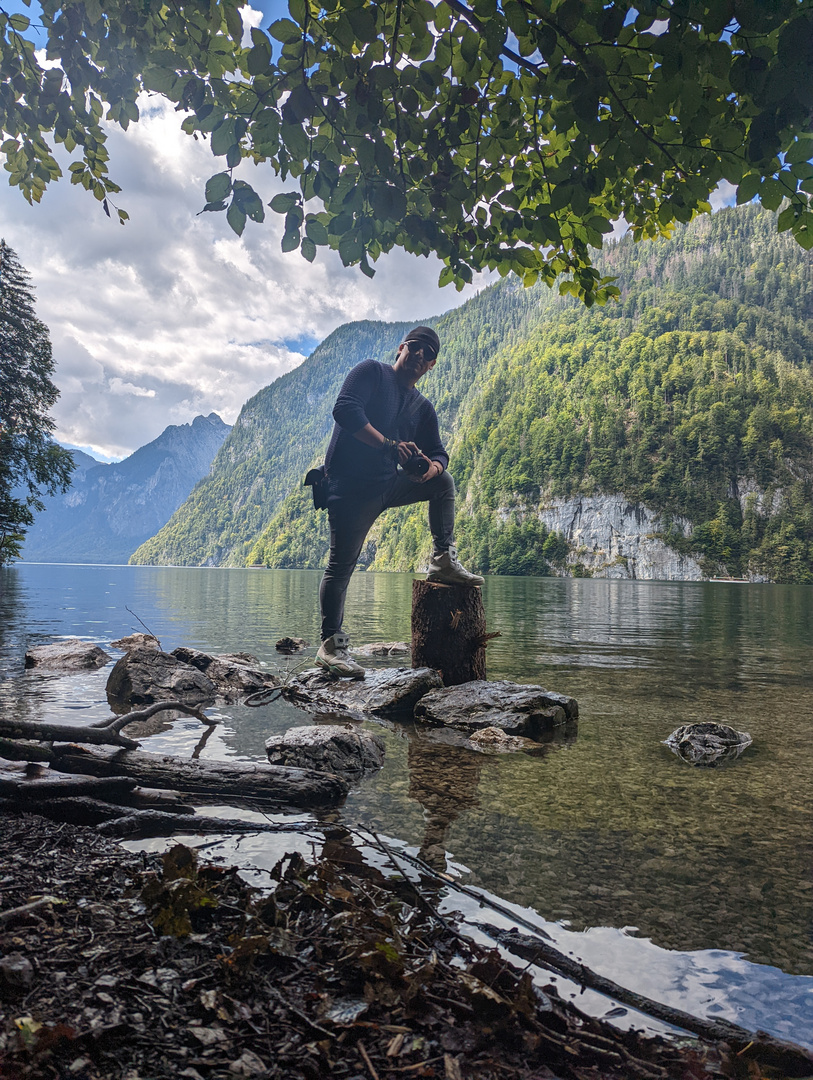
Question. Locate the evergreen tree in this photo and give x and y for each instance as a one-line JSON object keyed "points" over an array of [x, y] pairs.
{"points": [[30, 463]]}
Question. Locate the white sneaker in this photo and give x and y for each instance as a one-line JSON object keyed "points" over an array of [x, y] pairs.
{"points": [[334, 657], [446, 569]]}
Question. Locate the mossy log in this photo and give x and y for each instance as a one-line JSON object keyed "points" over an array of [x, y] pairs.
{"points": [[449, 631]]}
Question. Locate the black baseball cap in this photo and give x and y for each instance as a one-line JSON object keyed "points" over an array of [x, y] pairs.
{"points": [[426, 336]]}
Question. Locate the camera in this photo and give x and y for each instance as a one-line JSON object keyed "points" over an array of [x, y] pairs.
{"points": [[417, 465]]}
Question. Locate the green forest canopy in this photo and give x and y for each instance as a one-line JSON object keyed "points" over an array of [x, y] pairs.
{"points": [[506, 134]]}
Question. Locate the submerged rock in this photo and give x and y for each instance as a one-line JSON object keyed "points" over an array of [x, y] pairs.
{"points": [[388, 690], [136, 641], [73, 654], [231, 673], [707, 744], [493, 740], [291, 645], [518, 710], [383, 648], [342, 749], [144, 675]]}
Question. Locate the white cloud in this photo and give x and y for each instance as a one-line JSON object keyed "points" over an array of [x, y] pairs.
{"points": [[120, 387], [172, 315]]}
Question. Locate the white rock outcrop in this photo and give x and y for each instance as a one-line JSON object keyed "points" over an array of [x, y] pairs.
{"points": [[614, 538]]}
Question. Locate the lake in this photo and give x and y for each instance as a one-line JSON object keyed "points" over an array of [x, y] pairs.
{"points": [[691, 885]]}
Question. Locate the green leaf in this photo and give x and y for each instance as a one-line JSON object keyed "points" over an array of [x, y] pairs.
{"points": [[286, 31], [259, 58], [236, 218], [284, 202], [308, 249], [249, 201], [748, 187], [234, 24], [316, 232], [786, 219], [20, 22], [801, 150], [217, 187], [290, 241], [223, 138], [771, 194]]}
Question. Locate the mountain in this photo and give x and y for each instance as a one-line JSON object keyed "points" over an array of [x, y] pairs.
{"points": [[109, 510], [669, 435], [284, 427]]}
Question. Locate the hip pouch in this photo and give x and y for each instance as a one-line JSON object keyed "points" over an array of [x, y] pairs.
{"points": [[316, 480]]}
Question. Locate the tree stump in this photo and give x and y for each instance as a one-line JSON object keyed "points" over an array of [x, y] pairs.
{"points": [[449, 631]]}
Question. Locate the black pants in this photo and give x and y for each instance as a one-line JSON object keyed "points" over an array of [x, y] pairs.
{"points": [[351, 520]]}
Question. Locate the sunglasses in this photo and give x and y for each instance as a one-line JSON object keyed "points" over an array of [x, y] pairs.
{"points": [[429, 353]]}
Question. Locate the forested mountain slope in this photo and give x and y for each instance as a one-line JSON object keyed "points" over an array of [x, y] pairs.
{"points": [[285, 427], [687, 408]]}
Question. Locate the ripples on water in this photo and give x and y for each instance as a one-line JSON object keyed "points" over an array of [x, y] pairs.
{"points": [[607, 829]]}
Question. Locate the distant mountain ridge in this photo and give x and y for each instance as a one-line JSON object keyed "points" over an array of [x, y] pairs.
{"points": [[110, 509]]}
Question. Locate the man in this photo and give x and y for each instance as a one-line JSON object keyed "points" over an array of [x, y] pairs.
{"points": [[383, 422]]}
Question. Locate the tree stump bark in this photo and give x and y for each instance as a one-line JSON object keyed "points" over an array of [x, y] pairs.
{"points": [[449, 631]]}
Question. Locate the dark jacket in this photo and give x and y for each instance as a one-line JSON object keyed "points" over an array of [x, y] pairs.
{"points": [[372, 394]]}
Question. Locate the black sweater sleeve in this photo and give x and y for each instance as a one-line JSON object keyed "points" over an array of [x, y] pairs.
{"points": [[350, 410]]}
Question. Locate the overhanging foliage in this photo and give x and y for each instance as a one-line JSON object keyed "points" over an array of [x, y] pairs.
{"points": [[502, 134]]}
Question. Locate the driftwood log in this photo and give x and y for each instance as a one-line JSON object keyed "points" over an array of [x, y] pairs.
{"points": [[272, 785], [449, 631]]}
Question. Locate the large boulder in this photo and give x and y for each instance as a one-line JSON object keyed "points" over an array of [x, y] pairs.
{"points": [[707, 745], [343, 749], [144, 675], [232, 674], [387, 690], [524, 711], [69, 655]]}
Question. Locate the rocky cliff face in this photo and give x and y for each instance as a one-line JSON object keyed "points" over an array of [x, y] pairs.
{"points": [[613, 538], [110, 510]]}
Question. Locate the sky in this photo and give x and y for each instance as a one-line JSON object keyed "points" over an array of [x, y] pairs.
{"points": [[171, 315]]}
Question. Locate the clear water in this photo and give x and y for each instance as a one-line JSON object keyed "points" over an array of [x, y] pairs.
{"points": [[694, 886]]}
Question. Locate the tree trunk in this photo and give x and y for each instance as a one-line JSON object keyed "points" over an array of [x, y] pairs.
{"points": [[449, 631]]}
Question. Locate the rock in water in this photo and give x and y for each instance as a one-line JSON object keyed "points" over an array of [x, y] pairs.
{"points": [[72, 654], [291, 645], [528, 711], [383, 648], [493, 740], [231, 674], [336, 748], [388, 690], [136, 641], [144, 675], [707, 744]]}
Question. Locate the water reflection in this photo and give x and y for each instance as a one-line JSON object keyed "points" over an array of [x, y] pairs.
{"points": [[609, 830]]}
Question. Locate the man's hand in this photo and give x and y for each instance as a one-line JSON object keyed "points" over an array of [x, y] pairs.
{"points": [[435, 469], [406, 450]]}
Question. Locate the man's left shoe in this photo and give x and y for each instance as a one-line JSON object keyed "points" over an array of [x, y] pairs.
{"points": [[445, 569]]}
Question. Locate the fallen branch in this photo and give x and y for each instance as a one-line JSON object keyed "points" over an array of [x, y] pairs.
{"points": [[535, 950], [35, 729], [110, 821], [22, 786], [116, 723], [28, 909]]}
